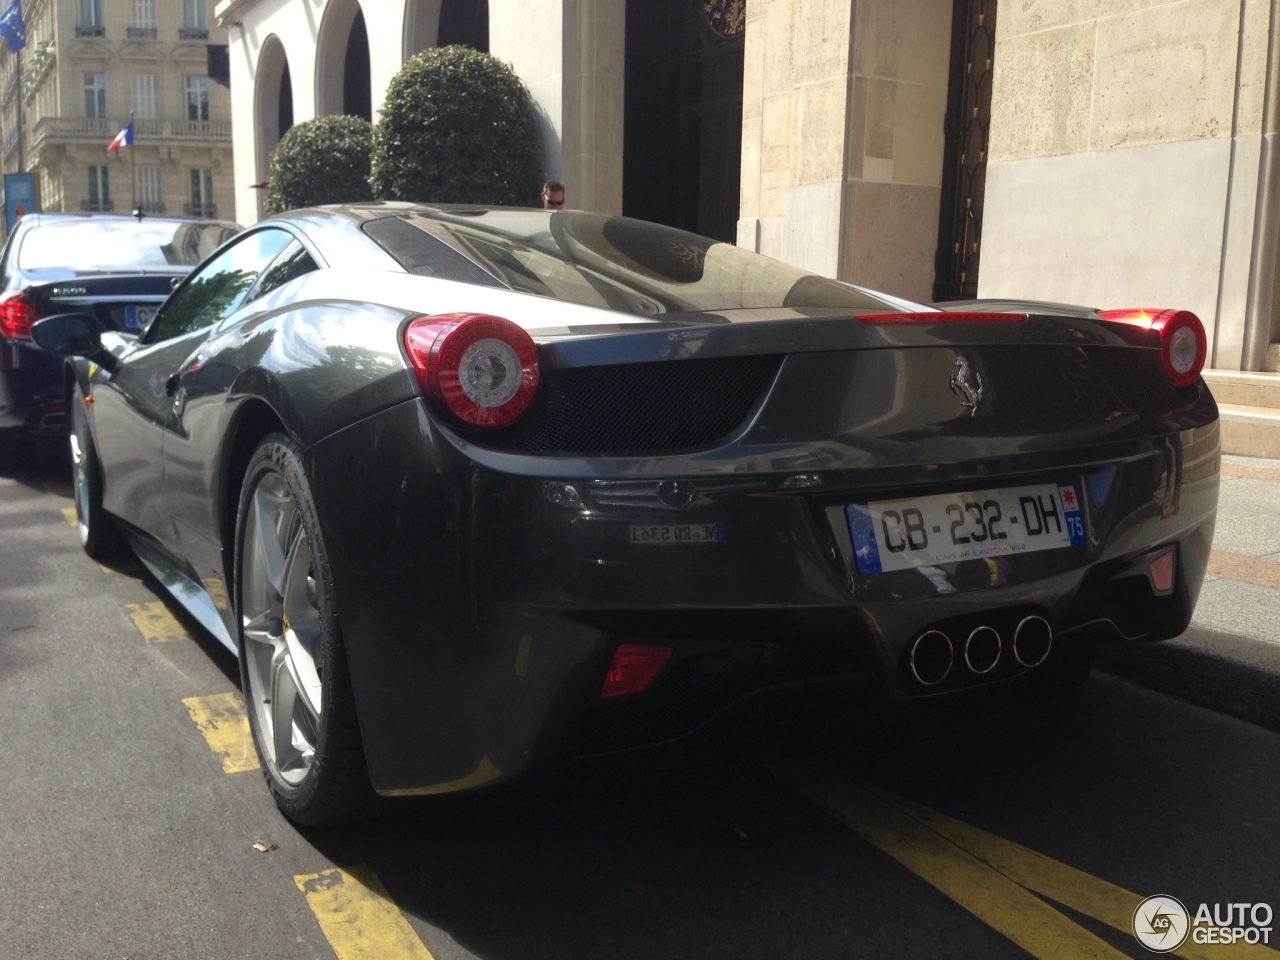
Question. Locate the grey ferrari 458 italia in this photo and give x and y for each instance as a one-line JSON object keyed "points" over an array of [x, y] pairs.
{"points": [[470, 491]]}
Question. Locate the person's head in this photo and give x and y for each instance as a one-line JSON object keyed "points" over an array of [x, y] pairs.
{"points": [[553, 195]]}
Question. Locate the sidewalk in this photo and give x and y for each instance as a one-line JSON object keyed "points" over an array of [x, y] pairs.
{"points": [[1229, 659]]}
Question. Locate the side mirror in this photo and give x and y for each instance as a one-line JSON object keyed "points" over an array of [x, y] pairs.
{"points": [[70, 334]]}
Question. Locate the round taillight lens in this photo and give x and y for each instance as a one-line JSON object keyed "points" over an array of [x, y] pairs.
{"points": [[1183, 345], [480, 370]]}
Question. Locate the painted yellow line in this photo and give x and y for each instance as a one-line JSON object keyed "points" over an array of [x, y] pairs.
{"points": [[994, 879], [155, 622], [992, 897], [70, 514], [225, 726], [357, 916]]}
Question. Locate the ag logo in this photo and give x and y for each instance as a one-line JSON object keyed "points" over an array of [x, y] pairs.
{"points": [[1161, 924]]}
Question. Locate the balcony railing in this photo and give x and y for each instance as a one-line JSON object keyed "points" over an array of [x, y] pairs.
{"points": [[207, 210], [193, 33], [98, 206], [141, 33], [89, 30], [217, 132]]}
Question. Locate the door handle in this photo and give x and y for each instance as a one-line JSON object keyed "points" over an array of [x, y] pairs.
{"points": [[171, 385]]}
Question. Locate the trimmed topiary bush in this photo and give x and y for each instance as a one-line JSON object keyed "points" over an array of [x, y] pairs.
{"points": [[457, 126], [325, 160]]}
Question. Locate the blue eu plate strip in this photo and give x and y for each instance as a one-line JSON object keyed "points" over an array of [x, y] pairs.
{"points": [[863, 531]]}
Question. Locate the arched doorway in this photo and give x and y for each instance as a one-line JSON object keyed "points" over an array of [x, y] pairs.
{"points": [[682, 134], [342, 62], [421, 20], [273, 109], [465, 22]]}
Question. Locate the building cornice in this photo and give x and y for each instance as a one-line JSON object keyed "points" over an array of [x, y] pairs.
{"points": [[228, 12]]}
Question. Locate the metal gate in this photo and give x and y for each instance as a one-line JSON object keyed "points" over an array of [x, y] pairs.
{"points": [[968, 129]]}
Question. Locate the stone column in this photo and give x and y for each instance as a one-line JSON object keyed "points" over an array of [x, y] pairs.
{"points": [[843, 110], [571, 55]]}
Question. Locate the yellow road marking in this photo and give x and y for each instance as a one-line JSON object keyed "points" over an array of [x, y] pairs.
{"points": [[70, 514], [994, 879], [155, 622], [1066, 885], [357, 916], [222, 720]]}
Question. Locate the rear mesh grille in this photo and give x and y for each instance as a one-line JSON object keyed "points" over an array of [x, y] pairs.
{"points": [[638, 408], [1139, 379]]}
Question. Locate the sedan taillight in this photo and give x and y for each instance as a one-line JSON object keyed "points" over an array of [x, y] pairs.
{"points": [[1183, 345], [17, 314], [480, 370]]}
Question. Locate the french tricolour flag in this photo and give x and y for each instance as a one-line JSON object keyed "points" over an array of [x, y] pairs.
{"points": [[123, 139]]}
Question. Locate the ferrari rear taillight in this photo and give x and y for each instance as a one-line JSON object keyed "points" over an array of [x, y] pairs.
{"points": [[941, 316], [1183, 345], [634, 668], [480, 370], [17, 314]]}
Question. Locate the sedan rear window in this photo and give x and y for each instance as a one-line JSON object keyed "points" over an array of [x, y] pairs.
{"points": [[613, 262], [124, 244]]}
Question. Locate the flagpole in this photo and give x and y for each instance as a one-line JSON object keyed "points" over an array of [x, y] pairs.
{"points": [[22, 160], [133, 160]]}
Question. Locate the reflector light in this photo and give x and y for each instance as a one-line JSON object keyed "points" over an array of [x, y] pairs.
{"points": [[941, 316], [480, 370], [1183, 345], [635, 666], [17, 314], [1162, 570]]}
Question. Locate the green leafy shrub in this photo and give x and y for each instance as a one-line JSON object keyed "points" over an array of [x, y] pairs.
{"points": [[325, 160], [457, 126]]}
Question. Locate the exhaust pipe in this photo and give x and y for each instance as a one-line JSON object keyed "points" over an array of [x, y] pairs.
{"points": [[931, 657], [1032, 641], [982, 650]]}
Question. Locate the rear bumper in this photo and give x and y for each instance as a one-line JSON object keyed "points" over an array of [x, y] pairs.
{"points": [[31, 390], [481, 597]]}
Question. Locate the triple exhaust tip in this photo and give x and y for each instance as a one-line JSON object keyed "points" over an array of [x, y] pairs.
{"points": [[933, 654]]}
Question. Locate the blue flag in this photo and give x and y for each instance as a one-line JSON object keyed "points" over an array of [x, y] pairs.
{"points": [[12, 28]]}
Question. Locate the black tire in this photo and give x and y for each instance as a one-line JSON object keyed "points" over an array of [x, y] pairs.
{"points": [[292, 666], [99, 535]]}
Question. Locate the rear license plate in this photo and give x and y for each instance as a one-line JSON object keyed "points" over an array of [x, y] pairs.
{"points": [[137, 318], [672, 534], [949, 528]]}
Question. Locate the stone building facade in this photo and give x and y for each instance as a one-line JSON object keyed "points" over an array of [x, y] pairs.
{"points": [[1110, 152], [87, 66]]}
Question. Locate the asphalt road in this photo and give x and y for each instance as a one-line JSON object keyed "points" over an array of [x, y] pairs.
{"points": [[988, 829]]}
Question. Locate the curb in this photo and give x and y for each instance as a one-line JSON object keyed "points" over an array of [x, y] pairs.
{"points": [[1228, 674]]}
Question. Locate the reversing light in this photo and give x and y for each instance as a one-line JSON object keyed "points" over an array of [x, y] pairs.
{"points": [[635, 666], [1183, 345], [940, 316], [1162, 570], [17, 314], [480, 370]]}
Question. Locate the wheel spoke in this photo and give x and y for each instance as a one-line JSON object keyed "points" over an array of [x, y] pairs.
{"points": [[283, 703], [269, 510]]}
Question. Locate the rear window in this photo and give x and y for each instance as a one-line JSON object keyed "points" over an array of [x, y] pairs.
{"points": [[612, 262], [101, 244]]}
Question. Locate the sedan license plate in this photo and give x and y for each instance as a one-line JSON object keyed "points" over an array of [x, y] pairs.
{"points": [[137, 318], [949, 528], [673, 534]]}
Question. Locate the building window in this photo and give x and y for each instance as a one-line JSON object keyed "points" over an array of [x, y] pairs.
{"points": [[99, 189], [146, 103], [150, 196], [95, 94], [144, 20], [195, 20], [202, 204], [90, 24], [197, 98]]}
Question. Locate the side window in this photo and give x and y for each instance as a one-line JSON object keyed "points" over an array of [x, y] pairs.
{"points": [[219, 287], [291, 264]]}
